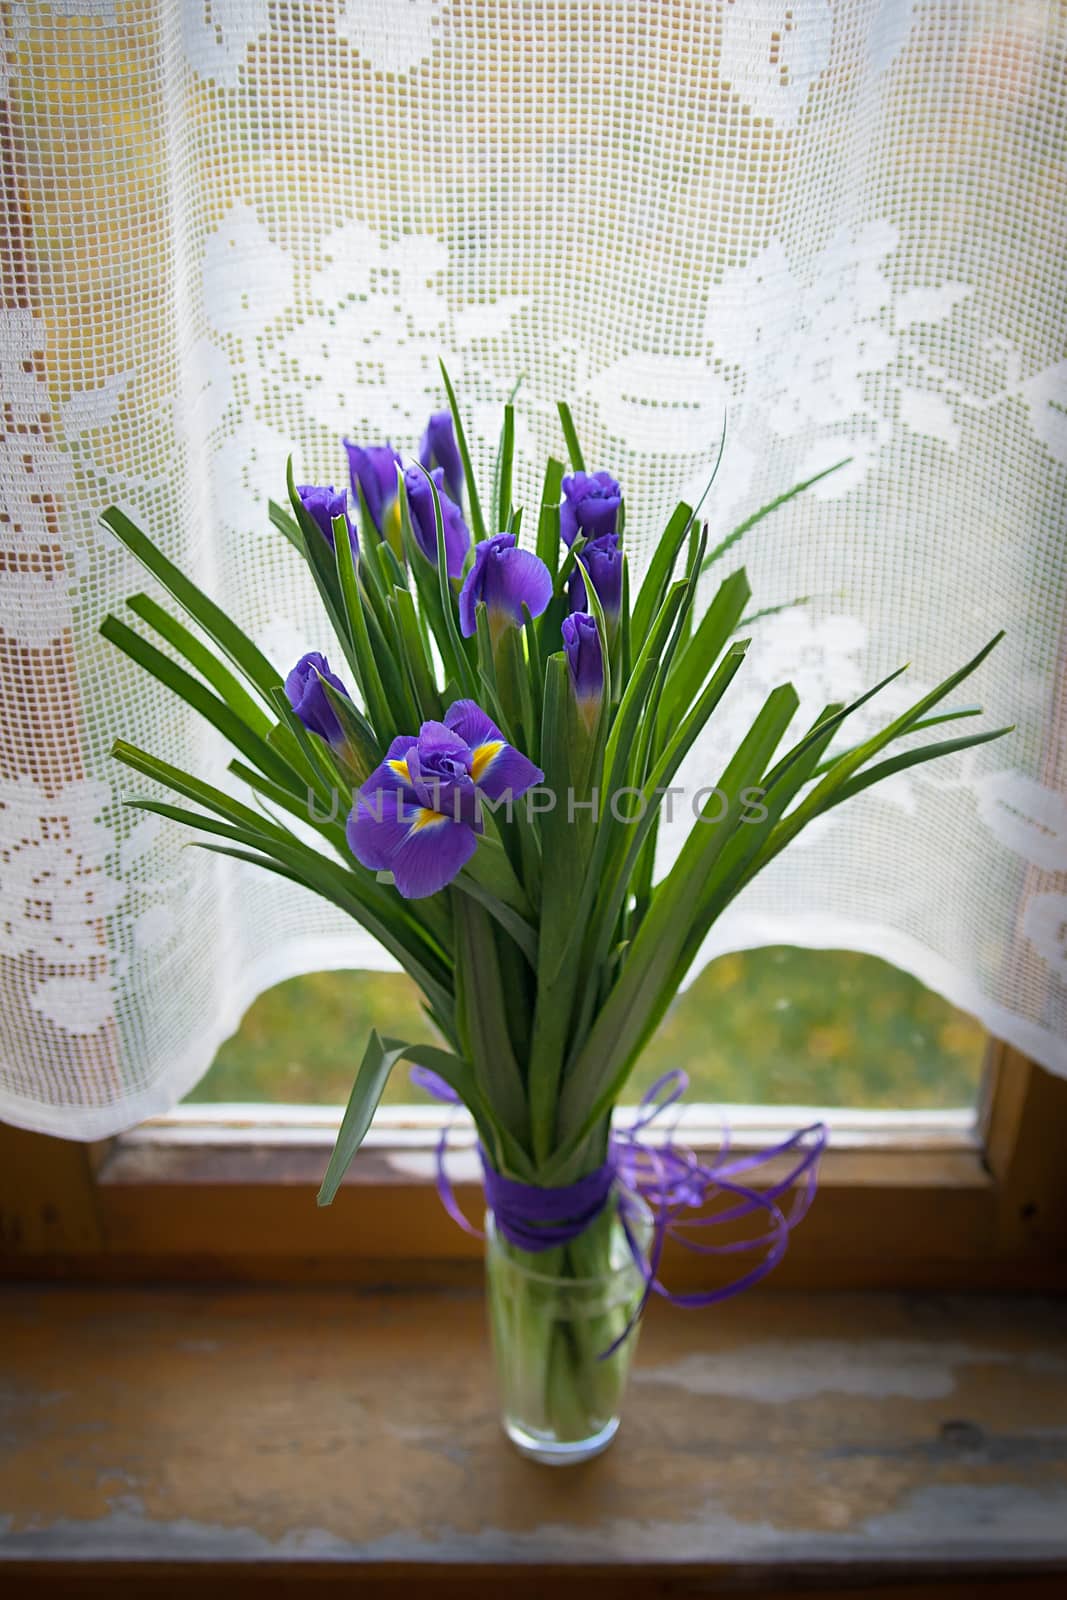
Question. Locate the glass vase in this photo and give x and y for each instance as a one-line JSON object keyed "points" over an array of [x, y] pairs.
{"points": [[552, 1315]]}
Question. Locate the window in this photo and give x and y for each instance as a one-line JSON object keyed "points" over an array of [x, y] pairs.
{"points": [[776, 1026], [907, 1199]]}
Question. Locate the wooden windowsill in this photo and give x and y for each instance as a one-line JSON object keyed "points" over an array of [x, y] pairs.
{"points": [[169, 1440]]}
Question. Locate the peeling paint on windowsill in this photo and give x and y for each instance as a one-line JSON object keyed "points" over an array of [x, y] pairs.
{"points": [[362, 1427]]}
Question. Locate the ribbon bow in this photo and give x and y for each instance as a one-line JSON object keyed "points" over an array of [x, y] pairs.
{"points": [[668, 1178]]}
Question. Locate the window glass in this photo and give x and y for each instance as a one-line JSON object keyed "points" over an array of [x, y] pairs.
{"points": [[778, 1026]]}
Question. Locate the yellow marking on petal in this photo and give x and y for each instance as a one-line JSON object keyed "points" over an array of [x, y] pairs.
{"points": [[400, 768], [483, 756], [425, 818]]}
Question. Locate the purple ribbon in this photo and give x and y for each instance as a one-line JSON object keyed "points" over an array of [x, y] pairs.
{"points": [[670, 1180]]}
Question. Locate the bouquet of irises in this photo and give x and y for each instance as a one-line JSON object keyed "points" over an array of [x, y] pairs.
{"points": [[480, 786]]}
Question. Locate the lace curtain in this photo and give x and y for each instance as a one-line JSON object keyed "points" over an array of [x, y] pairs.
{"points": [[239, 227]]}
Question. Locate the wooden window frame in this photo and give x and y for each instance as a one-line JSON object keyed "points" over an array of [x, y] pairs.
{"points": [[906, 1201]]}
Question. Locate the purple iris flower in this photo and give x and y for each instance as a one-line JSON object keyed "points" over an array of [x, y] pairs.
{"points": [[323, 502], [590, 506], [424, 523], [602, 560], [439, 449], [506, 578], [585, 659], [372, 468], [308, 698], [418, 814]]}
